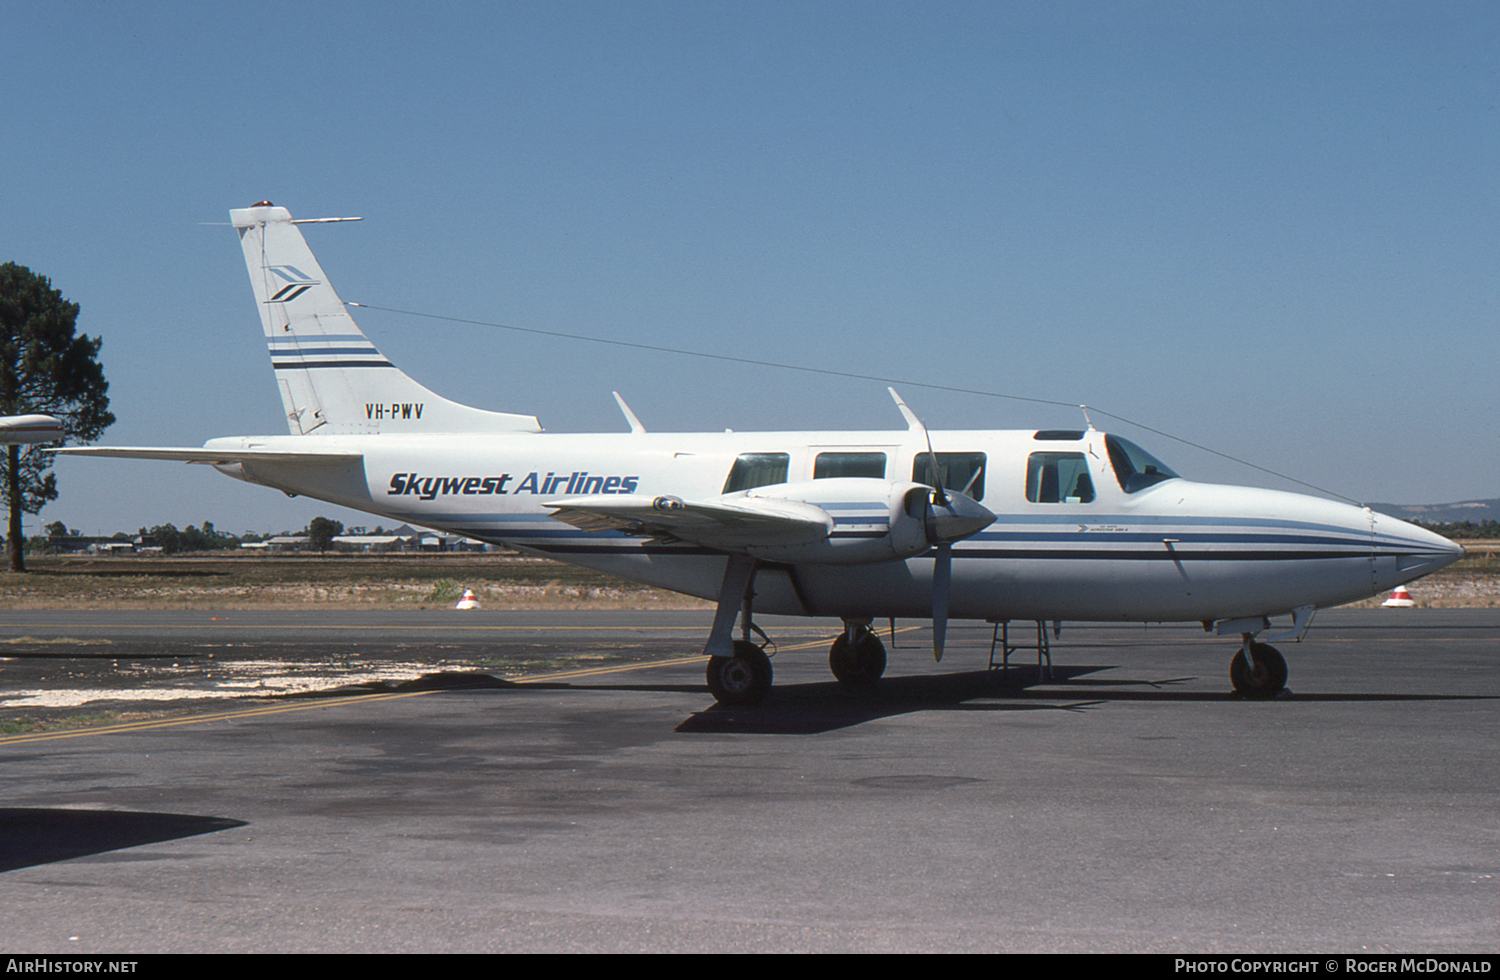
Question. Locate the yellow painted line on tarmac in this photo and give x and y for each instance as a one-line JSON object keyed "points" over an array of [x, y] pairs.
{"points": [[276, 709], [813, 644], [563, 675], [148, 724]]}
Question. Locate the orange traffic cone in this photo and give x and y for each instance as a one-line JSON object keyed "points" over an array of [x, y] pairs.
{"points": [[1400, 599], [468, 601]]}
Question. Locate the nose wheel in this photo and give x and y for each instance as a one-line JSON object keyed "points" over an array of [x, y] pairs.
{"points": [[1258, 671]]}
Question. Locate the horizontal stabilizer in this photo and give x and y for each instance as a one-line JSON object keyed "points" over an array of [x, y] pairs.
{"points": [[213, 457]]}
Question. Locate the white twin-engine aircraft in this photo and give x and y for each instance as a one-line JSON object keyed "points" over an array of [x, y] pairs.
{"points": [[17, 430], [989, 525]]}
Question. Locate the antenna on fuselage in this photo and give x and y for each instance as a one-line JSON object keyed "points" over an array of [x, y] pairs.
{"points": [[635, 423]]}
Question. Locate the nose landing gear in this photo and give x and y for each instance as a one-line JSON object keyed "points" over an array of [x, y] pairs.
{"points": [[1258, 671]]}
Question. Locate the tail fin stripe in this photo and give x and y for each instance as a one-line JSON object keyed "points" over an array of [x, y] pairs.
{"points": [[282, 270]]}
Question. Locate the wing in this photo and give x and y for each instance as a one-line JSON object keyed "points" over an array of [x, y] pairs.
{"points": [[838, 520], [729, 526]]}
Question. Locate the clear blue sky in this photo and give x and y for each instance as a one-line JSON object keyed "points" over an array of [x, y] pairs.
{"points": [[1268, 228]]}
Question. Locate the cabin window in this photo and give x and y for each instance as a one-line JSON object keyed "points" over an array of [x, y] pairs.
{"points": [[1135, 468], [1058, 478], [829, 465], [757, 470], [963, 472]]}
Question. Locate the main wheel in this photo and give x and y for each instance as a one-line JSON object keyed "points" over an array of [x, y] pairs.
{"points": [[1265, 675], [859, 663], [744, 678]]}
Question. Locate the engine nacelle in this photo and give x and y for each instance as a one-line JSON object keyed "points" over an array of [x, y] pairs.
{"points": [[869, 520], [236, 470]]}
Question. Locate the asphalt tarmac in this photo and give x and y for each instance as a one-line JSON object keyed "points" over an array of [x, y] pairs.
{"points": [[528, 782]]}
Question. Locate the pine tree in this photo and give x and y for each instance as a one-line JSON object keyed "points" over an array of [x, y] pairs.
{"points": [[45, 367]]}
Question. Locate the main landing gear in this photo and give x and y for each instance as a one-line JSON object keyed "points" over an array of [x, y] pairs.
{"points": [[739, 672], [857, 659], [744, 678], [1258, 670]]}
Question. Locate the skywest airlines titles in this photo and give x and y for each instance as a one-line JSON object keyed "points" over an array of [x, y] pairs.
{"points": [[430, 487]]}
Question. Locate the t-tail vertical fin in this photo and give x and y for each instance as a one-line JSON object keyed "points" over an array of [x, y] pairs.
{"points": [[331, 377]]}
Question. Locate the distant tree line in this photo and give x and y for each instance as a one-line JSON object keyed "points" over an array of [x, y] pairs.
{"points": [[204, 538], [1460, 530], [172, 540]]}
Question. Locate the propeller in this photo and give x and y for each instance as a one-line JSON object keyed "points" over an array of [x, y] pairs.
{"points": [[948, 516]]}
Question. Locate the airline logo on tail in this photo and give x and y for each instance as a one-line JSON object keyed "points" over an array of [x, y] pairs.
{"points": [[297, 283]]}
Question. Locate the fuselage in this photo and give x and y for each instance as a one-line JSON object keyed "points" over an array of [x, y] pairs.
{"points": [[1081, 531]]}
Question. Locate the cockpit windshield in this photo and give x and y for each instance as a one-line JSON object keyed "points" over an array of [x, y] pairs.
{"points": [[1135, 468]]}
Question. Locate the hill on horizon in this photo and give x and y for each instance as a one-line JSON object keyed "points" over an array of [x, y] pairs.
{"points": [[1464, 510]]}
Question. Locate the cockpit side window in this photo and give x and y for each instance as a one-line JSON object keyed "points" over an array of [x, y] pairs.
{"points": [[1135, 468], [1058, 478], [752, 470], [963, 472]]}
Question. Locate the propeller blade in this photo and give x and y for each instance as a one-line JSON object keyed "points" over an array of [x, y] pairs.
{"points": [[942, 577], [914, 424], [950, 517]]}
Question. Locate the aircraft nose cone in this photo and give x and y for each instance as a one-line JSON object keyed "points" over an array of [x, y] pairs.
{"points": [[1417, 550]]}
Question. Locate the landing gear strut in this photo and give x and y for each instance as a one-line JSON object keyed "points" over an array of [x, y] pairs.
{"points": [[739, 672], [857, 657], [1258, 671]]}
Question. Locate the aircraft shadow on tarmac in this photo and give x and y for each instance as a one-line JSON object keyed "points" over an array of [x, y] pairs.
{"points": [[792, 709], [443, 680], [820, 707], [807, 709], [41, 835]]}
